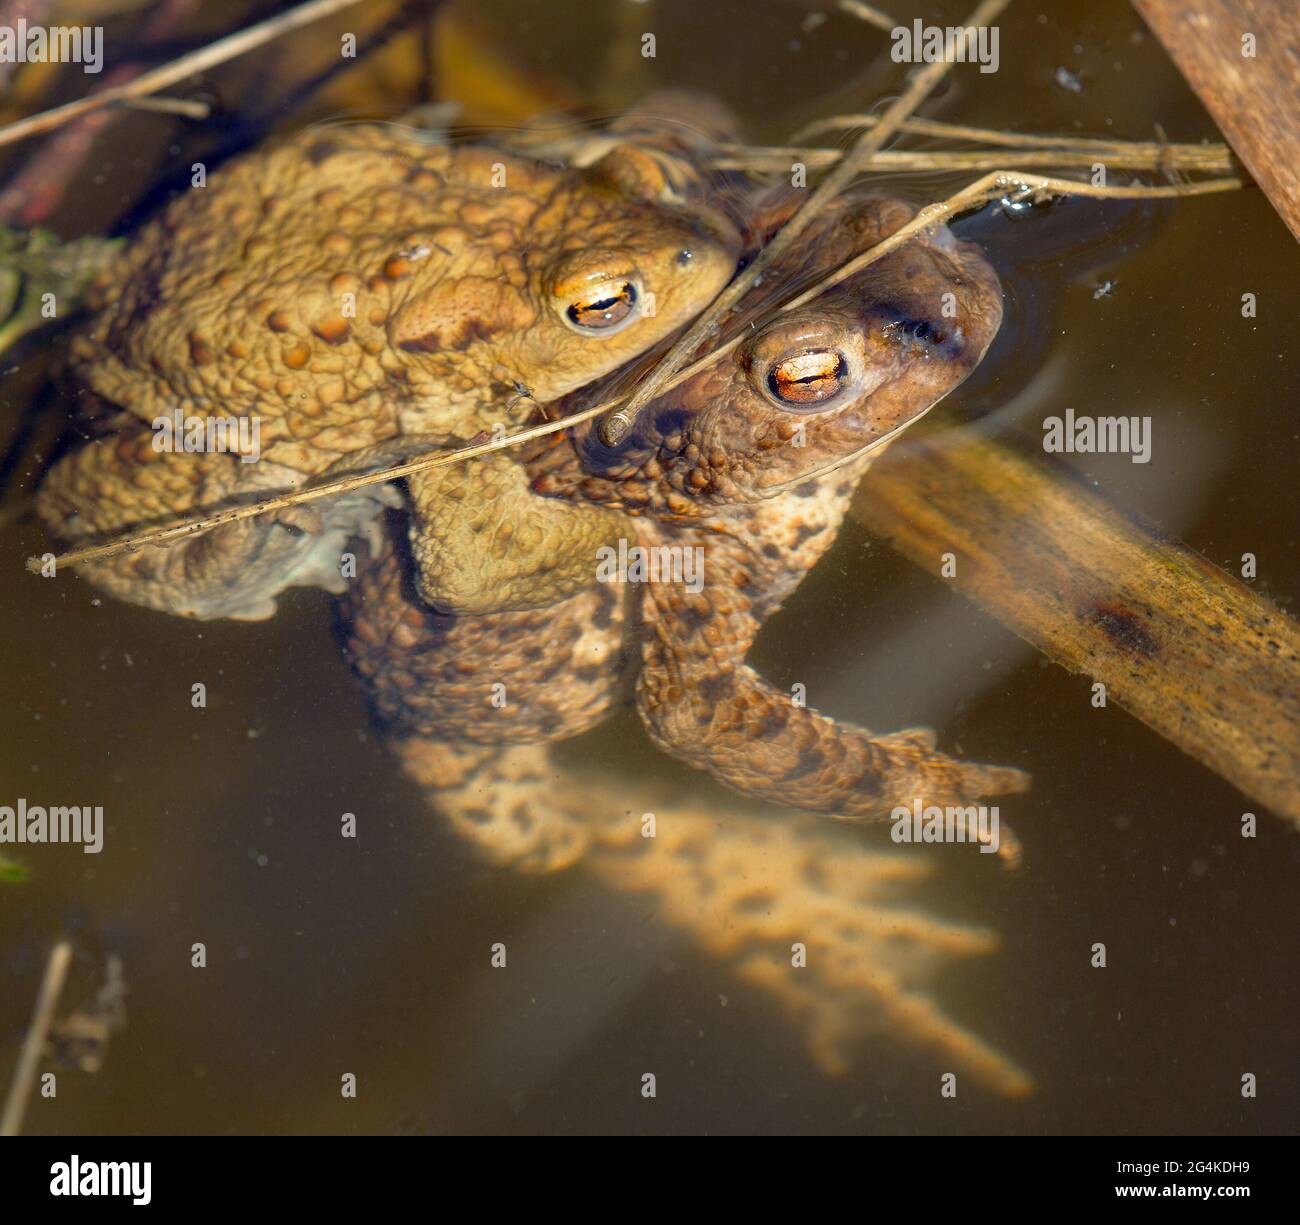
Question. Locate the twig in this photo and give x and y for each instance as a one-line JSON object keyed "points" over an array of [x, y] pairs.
{"points": [[1205, 159], [190, 108], [617, 425], [991, 186], [186, 66], [197, 526], [29, 1058], [1015, 185], [38, 188], [997, 136], [865, 12]]}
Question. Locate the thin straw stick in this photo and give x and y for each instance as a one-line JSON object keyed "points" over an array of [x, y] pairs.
{"points": [[872, 16], [178, 70], [1204, 159], [996, 136], [29, 1058]]}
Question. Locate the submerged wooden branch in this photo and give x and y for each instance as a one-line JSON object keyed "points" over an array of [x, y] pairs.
{"points": [[1196, 655]]}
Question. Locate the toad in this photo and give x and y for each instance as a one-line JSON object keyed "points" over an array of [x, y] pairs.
{"points": [[749, 464], [359, 294]]}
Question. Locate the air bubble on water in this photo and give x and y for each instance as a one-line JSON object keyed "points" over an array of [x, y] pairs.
{"points": [[1016, 207]]}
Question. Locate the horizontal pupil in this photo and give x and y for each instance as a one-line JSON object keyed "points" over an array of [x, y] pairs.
{"points": [[794, 381], [610, 309]]}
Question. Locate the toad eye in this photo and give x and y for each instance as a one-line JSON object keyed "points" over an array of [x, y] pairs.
{"points": [[809, 378], [604, 308]]}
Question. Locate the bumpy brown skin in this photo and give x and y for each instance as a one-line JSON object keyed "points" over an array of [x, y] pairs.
{"points": [[365, 293], [718, 464]]}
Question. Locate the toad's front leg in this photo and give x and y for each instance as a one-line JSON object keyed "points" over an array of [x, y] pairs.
{"points": [[703, 704], [483, 542]]}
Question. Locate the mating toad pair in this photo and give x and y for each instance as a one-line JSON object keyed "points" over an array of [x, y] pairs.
{"points": [[369, 294]]}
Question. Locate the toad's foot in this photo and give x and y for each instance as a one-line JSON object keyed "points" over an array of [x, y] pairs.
{"points": [[744, 887]]}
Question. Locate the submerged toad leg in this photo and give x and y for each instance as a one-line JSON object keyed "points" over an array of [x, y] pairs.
{"points": [[517, 806], [703, 704], [483, 542], [468, 703]]}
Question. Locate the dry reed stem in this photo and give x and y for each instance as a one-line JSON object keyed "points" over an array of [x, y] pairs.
{"points": [[228, 48], [996, 136], [1199, 159], [29, 1058]]}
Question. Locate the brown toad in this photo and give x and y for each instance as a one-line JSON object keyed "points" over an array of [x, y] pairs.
{"points": [[358, 294], [749, 464]]}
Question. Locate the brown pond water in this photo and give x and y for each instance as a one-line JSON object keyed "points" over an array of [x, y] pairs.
{"points": [[328, 957]]}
